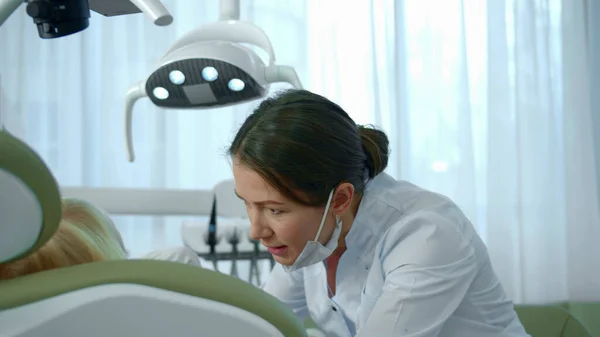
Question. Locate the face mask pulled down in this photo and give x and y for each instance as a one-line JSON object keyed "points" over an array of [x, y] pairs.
{"points": [[314, 251]]}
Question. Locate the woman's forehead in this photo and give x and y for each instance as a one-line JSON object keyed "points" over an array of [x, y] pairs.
{"points": [[250, 186]]}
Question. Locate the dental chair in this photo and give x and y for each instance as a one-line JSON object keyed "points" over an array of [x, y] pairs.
{"points": [[126, 298], [550, 321]]}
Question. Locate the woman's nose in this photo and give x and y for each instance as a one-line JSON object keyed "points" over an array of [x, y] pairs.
{"points": [[259, 229]]}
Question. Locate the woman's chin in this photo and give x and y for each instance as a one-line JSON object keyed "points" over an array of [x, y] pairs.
{"points": [[283, 260]]}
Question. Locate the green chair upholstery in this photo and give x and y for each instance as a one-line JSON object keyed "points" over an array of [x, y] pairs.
{"points": [[588, 313], [550, 321], [128, 298], [30, 207]]}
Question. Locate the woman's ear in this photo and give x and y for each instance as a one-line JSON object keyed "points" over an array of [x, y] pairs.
{"points": [[342, 198]]}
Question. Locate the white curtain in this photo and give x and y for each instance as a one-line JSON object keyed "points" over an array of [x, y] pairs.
{"points": [[487, 102]]}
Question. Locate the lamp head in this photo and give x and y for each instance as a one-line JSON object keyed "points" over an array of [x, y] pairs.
{"points": [[210, 67], [207, 74]]}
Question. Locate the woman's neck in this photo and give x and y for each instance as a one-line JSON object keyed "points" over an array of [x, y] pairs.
{"points": [[347, 221]]}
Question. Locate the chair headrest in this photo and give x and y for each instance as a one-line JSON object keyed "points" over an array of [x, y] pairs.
{"points": [[228, 204], [30, 206], [117, 291]]}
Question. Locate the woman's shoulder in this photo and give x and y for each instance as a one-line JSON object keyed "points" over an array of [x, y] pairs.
{"points": [[404, 196], [411, 216], [388, 203]]}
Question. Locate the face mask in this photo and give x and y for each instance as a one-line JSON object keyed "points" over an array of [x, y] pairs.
{"points": [[315, 252]]}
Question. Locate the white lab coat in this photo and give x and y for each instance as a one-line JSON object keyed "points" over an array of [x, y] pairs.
{"points": [[414, 267]]}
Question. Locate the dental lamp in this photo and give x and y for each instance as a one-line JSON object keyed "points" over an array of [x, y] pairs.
{"points": [[58, 18], [211, 67]]}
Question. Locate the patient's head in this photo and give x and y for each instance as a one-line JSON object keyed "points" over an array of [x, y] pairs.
{"points": [[86, 234]]}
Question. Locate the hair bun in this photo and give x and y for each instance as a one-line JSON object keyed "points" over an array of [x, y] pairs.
{"points": [[376, 146]]}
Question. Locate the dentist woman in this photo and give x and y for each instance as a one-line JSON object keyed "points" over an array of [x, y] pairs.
{"points": [[359, 252]]}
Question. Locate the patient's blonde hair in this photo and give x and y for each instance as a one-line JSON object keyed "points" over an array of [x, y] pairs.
{"points": [[85, 234]]}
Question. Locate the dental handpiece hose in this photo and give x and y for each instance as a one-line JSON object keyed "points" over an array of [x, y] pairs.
{"points": [[234, 241], [212, 233]]}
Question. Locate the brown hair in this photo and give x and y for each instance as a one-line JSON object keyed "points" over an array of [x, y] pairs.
{"points": [[304, 145]]}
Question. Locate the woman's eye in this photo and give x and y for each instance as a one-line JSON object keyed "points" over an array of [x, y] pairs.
{"points": [[275, 211]]}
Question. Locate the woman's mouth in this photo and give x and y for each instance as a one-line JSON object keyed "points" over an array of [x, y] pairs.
{"points": [[277, 250]]}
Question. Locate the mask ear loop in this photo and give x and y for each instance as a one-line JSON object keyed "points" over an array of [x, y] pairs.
{"points": [[324, 213], [338, 221]]}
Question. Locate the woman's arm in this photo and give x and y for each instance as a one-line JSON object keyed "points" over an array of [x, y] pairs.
{"points": [[429, 265]]}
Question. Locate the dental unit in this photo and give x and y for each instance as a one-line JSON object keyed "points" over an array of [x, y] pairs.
{"points": [[131, 297]]}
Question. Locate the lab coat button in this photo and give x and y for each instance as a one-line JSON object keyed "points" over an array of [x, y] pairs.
{"points": [[334, 308]]}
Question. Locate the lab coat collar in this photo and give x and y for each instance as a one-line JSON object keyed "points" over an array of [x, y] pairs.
{"points": [[367, 223]]}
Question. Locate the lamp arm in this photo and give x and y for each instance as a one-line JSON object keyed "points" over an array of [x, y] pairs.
{"points": [[229, 10], [155, 10]]}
